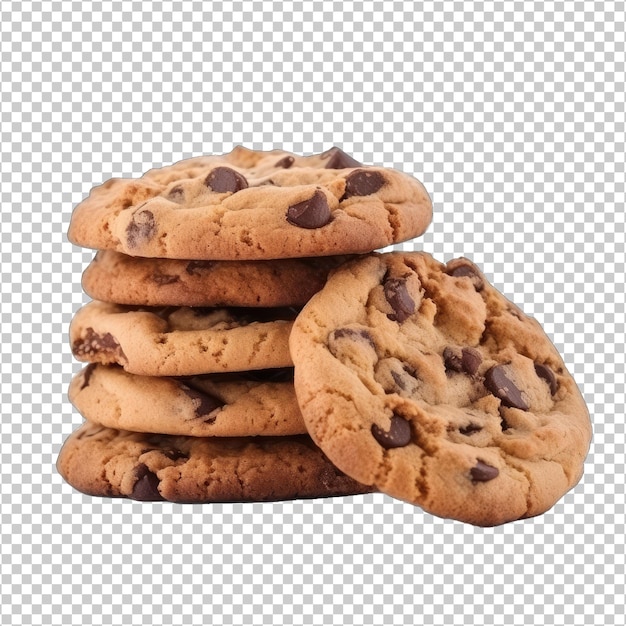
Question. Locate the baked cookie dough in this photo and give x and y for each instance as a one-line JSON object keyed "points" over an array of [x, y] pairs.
{"points": [[239, 405], [252, 205], [102, 461], [424, 381], [116, 277], [181, 341]]}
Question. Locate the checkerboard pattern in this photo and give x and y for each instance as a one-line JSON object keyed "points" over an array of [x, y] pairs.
{"points": [[511, 113]]}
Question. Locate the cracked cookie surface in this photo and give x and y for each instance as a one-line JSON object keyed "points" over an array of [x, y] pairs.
{"points": [[253, 205], [116, 277], [182, 341], [259, 403], [423, 380], [102, 461]]}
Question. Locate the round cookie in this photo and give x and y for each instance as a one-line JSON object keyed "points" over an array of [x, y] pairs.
{"points": [[422, 380], [101, 461], [181, 341], [116, 277], [252, 404], [252, 205]]}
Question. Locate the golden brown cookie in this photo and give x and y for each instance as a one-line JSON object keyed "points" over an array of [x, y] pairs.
{"points": [[247, 404], [116, 277], [422, 380], [251, 205], [102, 461], [182, 341]]}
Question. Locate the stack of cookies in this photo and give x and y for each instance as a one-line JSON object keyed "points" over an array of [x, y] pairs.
{"points": [[201, 270], [246, 342]]}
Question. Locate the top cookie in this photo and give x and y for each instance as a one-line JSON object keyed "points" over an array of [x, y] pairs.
{"points": [[422, 379], [254, 205]]}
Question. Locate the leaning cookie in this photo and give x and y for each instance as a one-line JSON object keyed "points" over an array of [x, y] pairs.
{"points": [[181, 341], [251, 205], [106, 462], [116, 277], [423, 380], [251, 404]]}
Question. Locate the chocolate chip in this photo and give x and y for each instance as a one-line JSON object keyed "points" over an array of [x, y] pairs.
{"points": [[193, 267], [466, 360], [398, 296], [311, 213], [543, 371], [463, 268], [205, 402], [176, 194], [87, 374], [225, 180], [106, 341], [338, 159], [453, 359], [504, 425], [499, 383], [471, 360], [147, 485], [398, 378], [92, 343], [398, 436], [286, 162], [141, 228], [363, 183], [470, 429], [482, 473], [355, 334], [406, 378], [347, 344], [165, 279]]}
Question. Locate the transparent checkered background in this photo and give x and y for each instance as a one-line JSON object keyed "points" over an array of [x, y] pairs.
{"points": [[511, 113]]}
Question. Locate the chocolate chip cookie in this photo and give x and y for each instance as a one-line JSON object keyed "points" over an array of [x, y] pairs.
{"points": [[102, 461], [116, 277], [182, 341], [247, 404], [421, 379], [252, 205]]}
